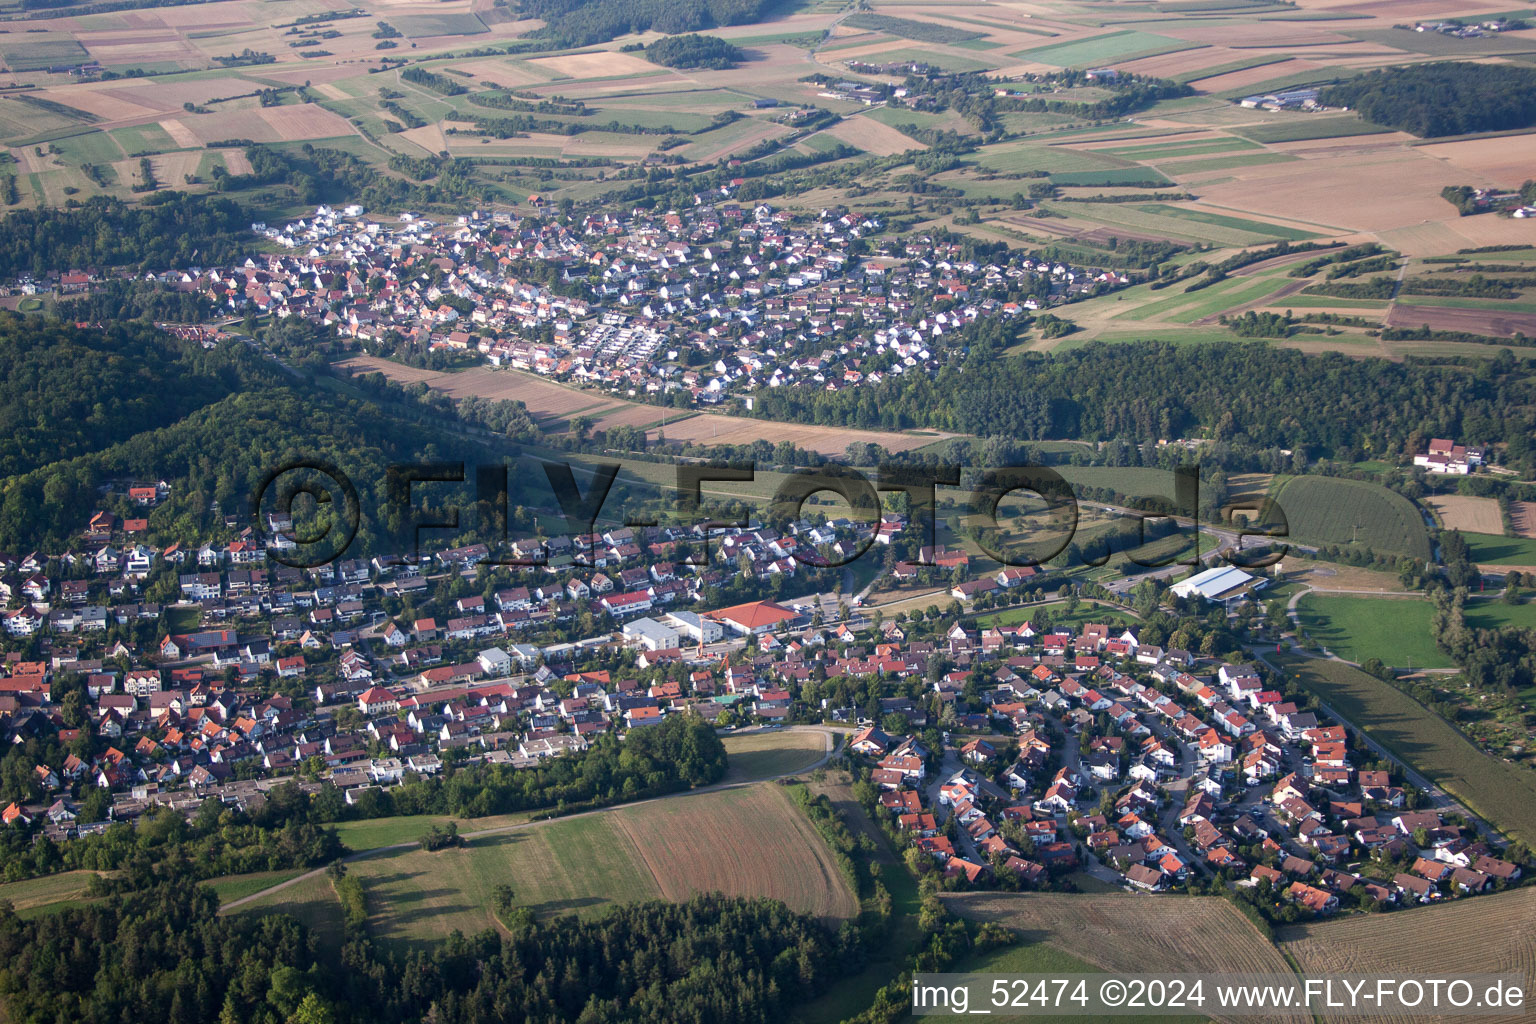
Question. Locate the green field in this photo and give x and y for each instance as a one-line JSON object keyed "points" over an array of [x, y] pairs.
{"points": [[1329, 510], [421, 26], [767, 755], [1104, 49], [1235, 223], [312, 902], [1310, 126], [1192, 147], [1128, 176], [48, 893], [1395, 630], [234, 887], [746, 841], [947, 61], [1500, 792], [1227, 163], [35, 54], [1493, 549], [1492, 613]]}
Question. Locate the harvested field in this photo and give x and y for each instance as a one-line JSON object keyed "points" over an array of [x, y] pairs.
{"points": [[1368, 188], [872, 137], [604, 64], [109, 105], [1458, 512], [1252, 76], [1131, 933], [1522, 516], [235, 161], [713, 429], [1337, 576], [1491, 321], [553, 403], [1490, 934], [748, 841], [172, 168], [1505, 161]]}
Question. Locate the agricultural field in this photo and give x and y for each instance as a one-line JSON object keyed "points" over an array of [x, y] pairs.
{"points": [[767, 755], [554, 405], [47, 893], [1460, 512], [1501, 792], [1493, 934], [1496, 549], [1522, 518], [1129, 932], [660, 849], [1394, 630], [1329, 510]]}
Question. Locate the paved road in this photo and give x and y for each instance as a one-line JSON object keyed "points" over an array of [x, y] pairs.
{"points": [[829, 738]]}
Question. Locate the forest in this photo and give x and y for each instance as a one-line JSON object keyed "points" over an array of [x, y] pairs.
{"points": [[585, 22], [65, 390], [694, 51], [167, 229], [1253, 395], [1443, 98], [159, 951]]}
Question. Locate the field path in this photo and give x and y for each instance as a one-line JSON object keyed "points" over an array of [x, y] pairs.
{"points": [[828, 737]]}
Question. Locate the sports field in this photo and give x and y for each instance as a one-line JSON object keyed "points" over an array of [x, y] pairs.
{"points": [[1395, 630]]}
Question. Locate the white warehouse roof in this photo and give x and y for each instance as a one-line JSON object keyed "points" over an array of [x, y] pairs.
{"points": [[1213, 583]]}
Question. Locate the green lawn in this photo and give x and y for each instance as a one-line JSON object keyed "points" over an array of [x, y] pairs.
{"points": [[1395, 630], [1500, 792], [1085, 613], [1493, 549], [1493, 613], [766, 755], [234, 887], [372, 833]]}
